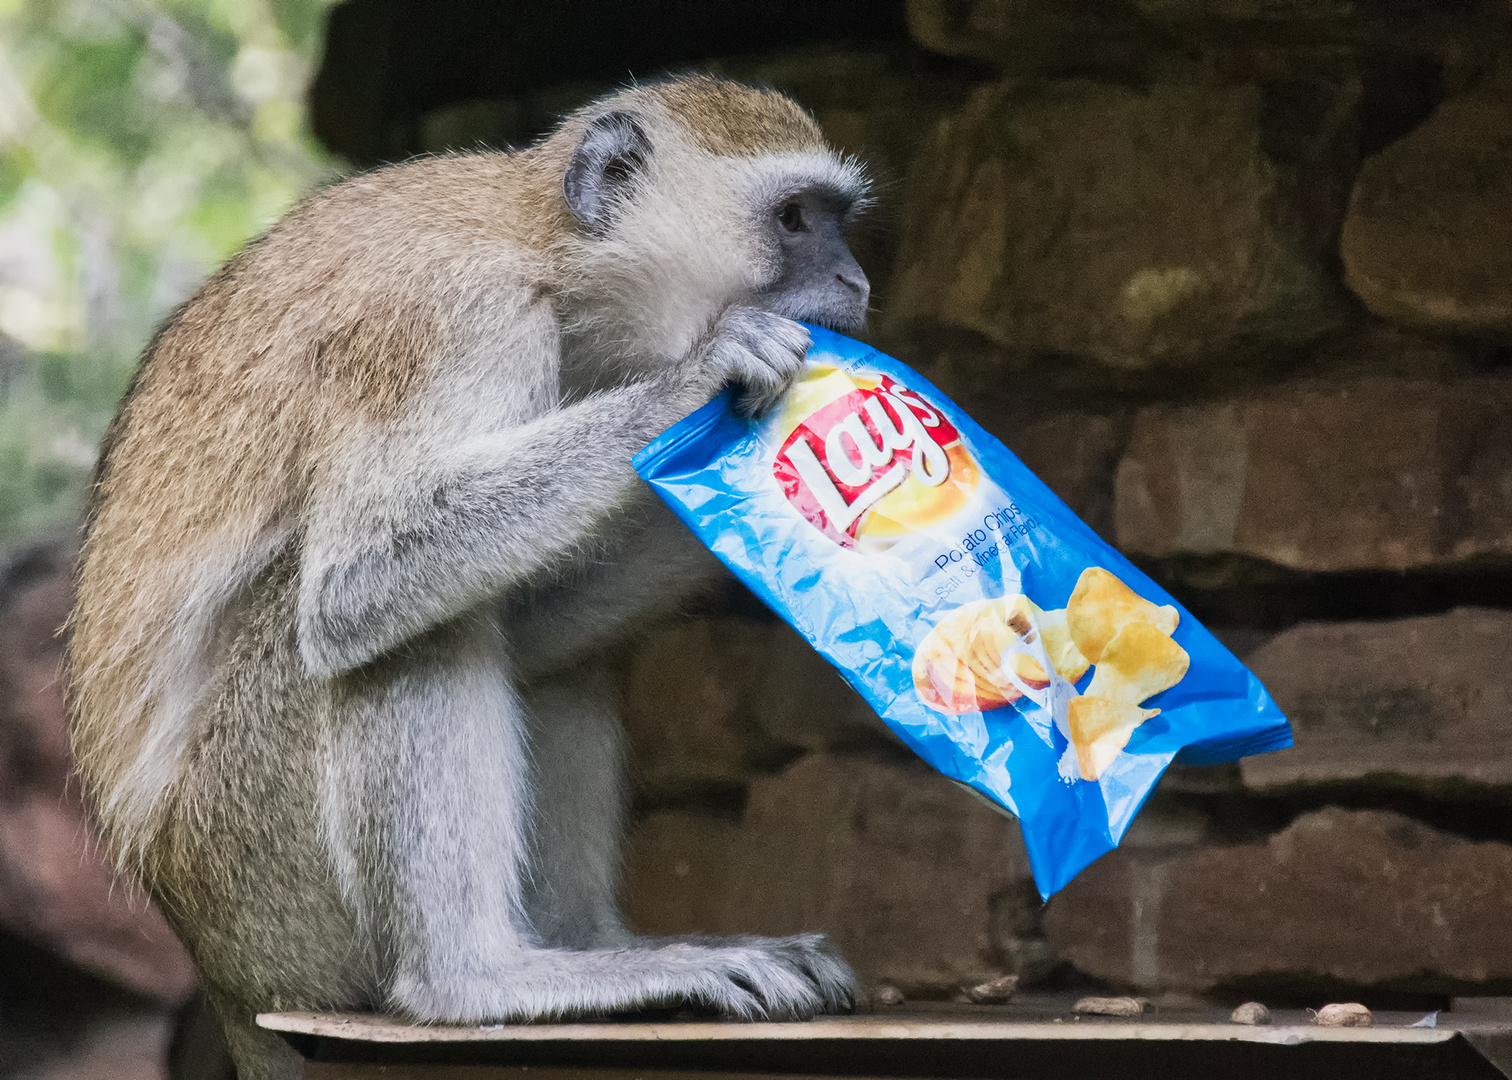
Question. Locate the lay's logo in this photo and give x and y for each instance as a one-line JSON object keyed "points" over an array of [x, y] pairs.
{"points": [[868, 461]]}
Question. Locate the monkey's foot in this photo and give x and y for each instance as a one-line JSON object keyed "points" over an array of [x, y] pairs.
{"points": [[791, 978], [811, 954]]}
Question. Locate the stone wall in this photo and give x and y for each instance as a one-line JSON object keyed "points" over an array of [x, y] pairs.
{"points": [[1235, 280]]}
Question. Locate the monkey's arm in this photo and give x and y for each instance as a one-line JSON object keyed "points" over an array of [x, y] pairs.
{"points": [[413, 528], [398, 540], [653, 564]]}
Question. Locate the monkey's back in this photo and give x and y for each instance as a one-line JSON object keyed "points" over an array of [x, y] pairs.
{"points": [[326, 325]]}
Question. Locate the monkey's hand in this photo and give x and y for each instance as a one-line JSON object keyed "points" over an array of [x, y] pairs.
{"points": [[760, 352]]}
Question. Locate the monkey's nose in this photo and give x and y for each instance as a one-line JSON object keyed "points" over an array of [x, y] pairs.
{"points": [[855, 280]]}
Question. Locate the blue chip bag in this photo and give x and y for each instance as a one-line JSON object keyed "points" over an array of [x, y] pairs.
{"points": [[996, 633]]}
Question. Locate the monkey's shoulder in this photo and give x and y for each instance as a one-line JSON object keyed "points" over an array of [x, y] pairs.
{"points": [[428, 206]]}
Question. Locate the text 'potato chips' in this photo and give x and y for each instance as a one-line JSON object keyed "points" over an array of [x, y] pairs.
{"points": [[991, 629]]}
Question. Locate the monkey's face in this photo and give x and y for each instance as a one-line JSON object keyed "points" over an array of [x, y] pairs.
{"points": [[816, 278], [683, 210]]}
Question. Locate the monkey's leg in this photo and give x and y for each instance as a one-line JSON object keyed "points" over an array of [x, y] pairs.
{"points": [[428, 813], [577, 757], [577, 765]]}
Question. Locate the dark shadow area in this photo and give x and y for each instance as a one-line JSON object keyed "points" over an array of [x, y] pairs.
{"points": [[198, 1050], [1236, 591], [388, 61], [1237, 817], [47, 1005]]}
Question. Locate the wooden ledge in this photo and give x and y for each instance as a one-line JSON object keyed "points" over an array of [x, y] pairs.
{"points": [[1033, 1037], [888, 1026]]}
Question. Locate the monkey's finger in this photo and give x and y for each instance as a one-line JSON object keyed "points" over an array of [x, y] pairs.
{"points": [[782, 989], [783, 349], [784, 343], [761, 388], [761, 352], [768, 381], [750, 337], [762, 391], [757, 329], [755, 403]]}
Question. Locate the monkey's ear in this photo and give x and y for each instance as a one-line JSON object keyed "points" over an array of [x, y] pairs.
{"points": [[613, 150]]}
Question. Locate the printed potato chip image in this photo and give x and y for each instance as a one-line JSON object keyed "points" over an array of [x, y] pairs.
{"points": [[1100, 729], [1137, 664], [1101, 605], [1065, 657], [957, 668], [944, 681]]}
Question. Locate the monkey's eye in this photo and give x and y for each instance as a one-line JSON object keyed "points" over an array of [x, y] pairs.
{"points": [[791, 217]]}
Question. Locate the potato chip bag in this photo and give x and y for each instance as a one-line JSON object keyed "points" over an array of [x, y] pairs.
{"points": [[993, 631]]}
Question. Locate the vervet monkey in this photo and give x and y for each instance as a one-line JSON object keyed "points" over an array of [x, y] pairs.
{"points": [[364, 525]]}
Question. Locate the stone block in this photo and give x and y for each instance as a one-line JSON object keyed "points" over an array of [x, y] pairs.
{"points": [[1075, 453], [1252, 37], [1373, 473], [1138, 229], [1424, 701], [57, 887], [1305, 13], [997, 29], [1032, 35], [685, 705], [677, 874], [1428, 240], [126, 1047], [1361, 897], [920, 884], [711, 700]]}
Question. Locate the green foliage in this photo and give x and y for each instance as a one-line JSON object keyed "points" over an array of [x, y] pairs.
{"points": [[141, 143]]}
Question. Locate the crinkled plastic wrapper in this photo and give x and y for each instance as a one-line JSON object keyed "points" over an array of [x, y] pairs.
{"points": [[990, 628]]}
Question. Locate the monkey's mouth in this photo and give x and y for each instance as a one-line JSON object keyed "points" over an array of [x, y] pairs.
{"points": [[841, 309]]}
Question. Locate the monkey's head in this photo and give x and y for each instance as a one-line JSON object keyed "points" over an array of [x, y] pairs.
{"points": [[693, 194]]}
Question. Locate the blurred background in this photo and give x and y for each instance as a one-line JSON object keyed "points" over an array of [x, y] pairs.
{"points": [[1234, 276]]}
